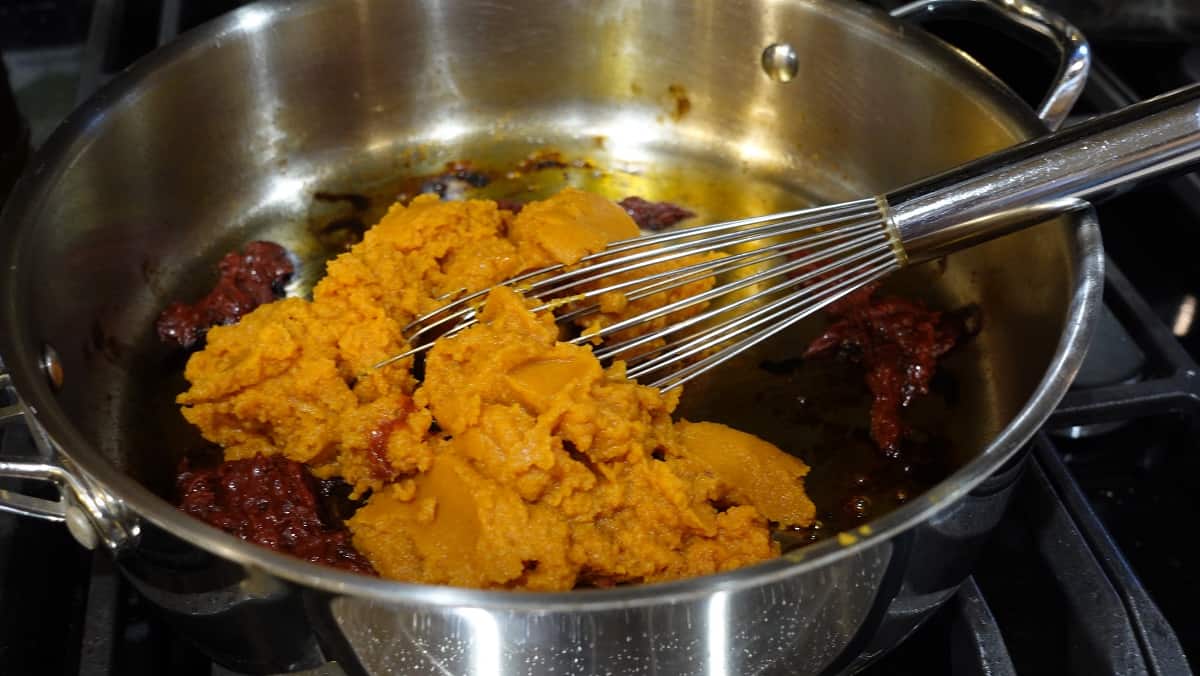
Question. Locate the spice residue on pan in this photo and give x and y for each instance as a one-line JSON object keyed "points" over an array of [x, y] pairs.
{"points": [[654, 215], [455, 181], [680, 104], [539, 160], [341, 232]]}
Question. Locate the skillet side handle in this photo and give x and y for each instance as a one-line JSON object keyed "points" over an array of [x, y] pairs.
{"points": [[1074, 54], [27, 505], [90, 518]]}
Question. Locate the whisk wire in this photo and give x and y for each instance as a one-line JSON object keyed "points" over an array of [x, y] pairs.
{"points": [[815, 293], [677, 277], [827, 214], [809, 258], [636, 261], [789, 317], [797, 265], [802, 280]]}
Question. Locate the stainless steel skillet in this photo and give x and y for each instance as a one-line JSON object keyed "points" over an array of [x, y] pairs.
{"points": [[226, 135]]}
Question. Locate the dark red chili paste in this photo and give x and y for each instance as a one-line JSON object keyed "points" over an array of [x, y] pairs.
{"points": [[510, 205], [270, 501], [377, 449], [249, 278], [899, 342], [654, 215]]}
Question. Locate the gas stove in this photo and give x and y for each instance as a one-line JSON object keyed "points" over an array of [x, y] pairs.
{"points": [[1090, 572]]}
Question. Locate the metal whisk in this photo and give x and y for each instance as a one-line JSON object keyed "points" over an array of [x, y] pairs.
{"points": [[791, 265]]}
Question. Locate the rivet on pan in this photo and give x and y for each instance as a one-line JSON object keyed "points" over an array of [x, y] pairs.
{"points": [[81, 528], [780, 62], [52, 367]]}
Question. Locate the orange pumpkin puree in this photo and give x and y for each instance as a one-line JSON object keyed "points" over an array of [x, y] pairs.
{"points": [[518, 461]]}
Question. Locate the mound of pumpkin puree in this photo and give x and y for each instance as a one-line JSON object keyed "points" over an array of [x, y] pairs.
{"points": [[518, 462]]}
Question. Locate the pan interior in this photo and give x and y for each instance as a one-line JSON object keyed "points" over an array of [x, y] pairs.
{"points": [[816, 409], [233, 135]]}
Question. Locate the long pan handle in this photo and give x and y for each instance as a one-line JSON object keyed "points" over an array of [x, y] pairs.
{"points": [[1048, 176]]}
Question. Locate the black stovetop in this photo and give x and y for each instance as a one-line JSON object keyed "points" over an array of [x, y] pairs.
{"points": [[1091, 570]]}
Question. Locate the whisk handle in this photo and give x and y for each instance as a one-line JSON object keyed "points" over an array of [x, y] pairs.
{"points": [[1048, 176]]}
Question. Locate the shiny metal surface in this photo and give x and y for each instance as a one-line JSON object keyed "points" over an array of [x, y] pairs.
{"points": [[780, 62], [52, 367], [1048, 176], [80, 500], [281, 99], [816, 256], [26, 505], [795, 624], [1074, 54], [33, 469], [786, 253]]}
